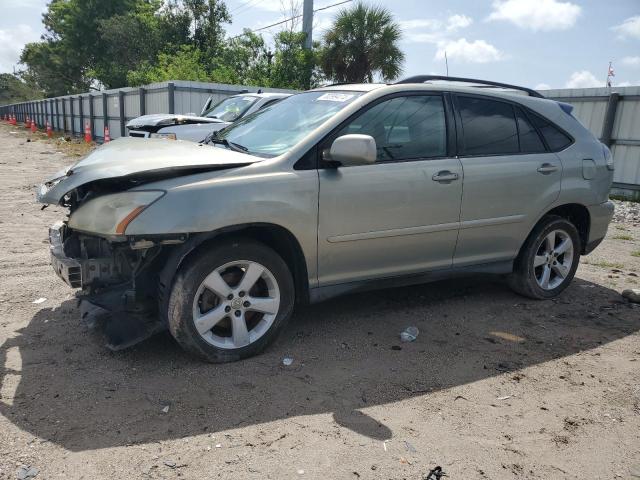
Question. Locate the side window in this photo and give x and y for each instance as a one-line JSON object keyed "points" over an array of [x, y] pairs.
{"points": [[489, 127], [554, 137], [404, 128], [530, 141]]}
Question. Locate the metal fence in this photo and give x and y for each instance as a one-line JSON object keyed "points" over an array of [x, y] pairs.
{"points": [[114, 108], [612, 115]]}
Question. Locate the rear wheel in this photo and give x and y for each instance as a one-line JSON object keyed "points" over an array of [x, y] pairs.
{"points": [[230, 302], [548, 260]]}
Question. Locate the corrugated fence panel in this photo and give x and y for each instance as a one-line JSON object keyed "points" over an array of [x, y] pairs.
{"points": [[114, 127], [627, 164], [113, 110], [132, 105], [627, 124], [157, 101]]}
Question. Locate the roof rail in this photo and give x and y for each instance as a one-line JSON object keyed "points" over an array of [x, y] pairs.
{"points": [[481, 83]]}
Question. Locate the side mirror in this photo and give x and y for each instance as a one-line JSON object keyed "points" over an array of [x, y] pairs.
{"points": [[351, 150]]}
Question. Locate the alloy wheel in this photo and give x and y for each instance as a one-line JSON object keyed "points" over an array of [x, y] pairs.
{"points": [[236, 304], [553, 260]]}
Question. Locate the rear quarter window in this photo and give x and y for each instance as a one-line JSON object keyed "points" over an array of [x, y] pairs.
{"points": [[556, 139]]}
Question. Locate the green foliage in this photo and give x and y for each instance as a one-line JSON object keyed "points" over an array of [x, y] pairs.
{"points": [[362, 43], [114, 43], [186, 64], [14, 89]]}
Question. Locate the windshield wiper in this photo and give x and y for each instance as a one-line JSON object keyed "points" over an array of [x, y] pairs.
{"points": [[213, 138]]}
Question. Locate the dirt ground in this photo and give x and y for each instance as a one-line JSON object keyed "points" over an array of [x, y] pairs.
{"points": [[495, 387]]}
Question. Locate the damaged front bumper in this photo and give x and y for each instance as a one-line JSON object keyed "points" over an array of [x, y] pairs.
{"points": [[118, 299]]}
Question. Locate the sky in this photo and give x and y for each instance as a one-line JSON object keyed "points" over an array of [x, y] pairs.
{"points": [[535, 43]]}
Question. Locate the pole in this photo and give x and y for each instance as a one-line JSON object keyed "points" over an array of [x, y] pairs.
{"points": [[446, 62], [307, 23]]}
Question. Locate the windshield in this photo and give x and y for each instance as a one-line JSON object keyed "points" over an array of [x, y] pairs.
{"points": [[230, 109], [274, 130]]}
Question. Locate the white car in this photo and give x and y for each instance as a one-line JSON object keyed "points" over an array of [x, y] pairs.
{"points": [[212, 118]]}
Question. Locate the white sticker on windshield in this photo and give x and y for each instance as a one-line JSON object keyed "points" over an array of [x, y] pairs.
{"points": [[335, 97]]}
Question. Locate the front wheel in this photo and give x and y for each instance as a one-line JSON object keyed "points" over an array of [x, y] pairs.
{"points": [[230, 302], [548, 260]]}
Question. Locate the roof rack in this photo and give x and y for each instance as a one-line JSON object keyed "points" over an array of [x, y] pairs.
{"points": [[481, 83]]}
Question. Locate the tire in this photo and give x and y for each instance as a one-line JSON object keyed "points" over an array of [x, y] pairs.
{"points": [[198, 299], [536, 257]]}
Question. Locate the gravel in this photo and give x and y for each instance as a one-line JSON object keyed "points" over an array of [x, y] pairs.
{"points": [[627, 212]]}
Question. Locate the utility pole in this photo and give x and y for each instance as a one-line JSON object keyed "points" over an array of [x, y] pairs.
{"points": [[307, 23]]}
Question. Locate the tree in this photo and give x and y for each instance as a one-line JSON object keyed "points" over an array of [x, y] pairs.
{"points": [[293, 65], [53, 70], [186, 64], [14, 89], [362, 43]]}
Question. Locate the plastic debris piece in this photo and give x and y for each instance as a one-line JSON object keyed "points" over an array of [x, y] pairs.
{"points": [[39, 300], [505, 397], [165, 409], [287, 361], [26, 472], [409, 334]]}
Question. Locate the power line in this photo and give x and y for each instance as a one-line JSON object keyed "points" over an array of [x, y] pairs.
{"points": [[288, 19], [244, 6]]}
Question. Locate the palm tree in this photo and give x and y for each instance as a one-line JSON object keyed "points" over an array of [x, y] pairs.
{"points": [[362, 42]]}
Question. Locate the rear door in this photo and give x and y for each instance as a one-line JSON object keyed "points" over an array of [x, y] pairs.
{"points": [[510, 178], [399, 215]]}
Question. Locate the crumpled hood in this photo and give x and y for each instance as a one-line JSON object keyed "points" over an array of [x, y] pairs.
{"points": [[165, 119], [126, 157]]}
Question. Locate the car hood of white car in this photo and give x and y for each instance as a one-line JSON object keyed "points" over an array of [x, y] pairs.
{"points": [[166, 119]]}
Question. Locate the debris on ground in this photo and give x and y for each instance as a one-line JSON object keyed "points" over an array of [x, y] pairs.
{"points": [[506, 397], [435, 474], [287, 361], [26, 472], [165, 409], [409, 447], [409, 334], [39, 300], [632, 294]]}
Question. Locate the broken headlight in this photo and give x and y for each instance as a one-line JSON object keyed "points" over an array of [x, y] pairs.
{"points": [[111, 214]]}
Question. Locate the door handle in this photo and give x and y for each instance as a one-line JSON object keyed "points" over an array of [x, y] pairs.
{"points": [[445, 176], [547, 168]]}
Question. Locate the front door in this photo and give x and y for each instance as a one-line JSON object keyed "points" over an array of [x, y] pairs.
{"points": [[399, 215]]}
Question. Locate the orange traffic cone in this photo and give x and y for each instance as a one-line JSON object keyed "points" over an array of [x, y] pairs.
{"points": [[34, 127], [49, 130], [13, 120], [87, 132], [107, 138], [27, 123]]}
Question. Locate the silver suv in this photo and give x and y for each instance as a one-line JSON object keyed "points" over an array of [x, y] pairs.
{"points": [[334, 190]]}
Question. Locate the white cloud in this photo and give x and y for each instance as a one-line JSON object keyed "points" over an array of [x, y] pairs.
{"points": [[477, 51], [630, 28], [12, 41], [543, 15], [584, 79], [631, 61], [456, 22], [431, 30], [542, 86]]}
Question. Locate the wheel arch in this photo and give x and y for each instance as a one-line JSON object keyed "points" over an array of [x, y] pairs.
{"points": [[576, 213], [276, 237]]}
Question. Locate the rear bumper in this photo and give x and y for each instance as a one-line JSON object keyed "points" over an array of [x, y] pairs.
{"points": [[600, 216]]}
